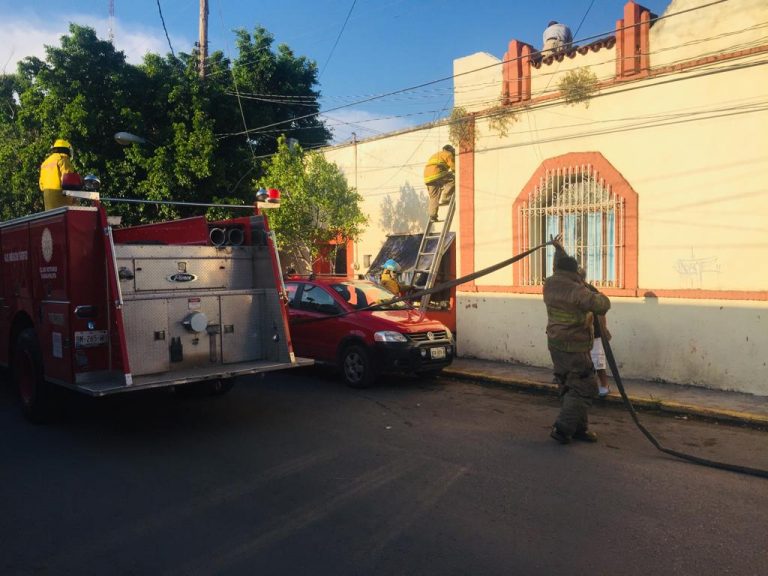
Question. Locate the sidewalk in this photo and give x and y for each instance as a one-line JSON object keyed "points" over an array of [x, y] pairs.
{"points": [[730, 407]]}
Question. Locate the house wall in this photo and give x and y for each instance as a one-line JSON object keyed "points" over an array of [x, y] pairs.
{"points": [[477, 82], [685, 129], [388, 173], [717, 344], [698, 168], [706, 32]]}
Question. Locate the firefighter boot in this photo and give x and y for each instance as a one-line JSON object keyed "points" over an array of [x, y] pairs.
{"points": [[585, 436], [559, 435]]}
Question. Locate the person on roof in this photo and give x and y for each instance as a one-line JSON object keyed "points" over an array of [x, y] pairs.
{"points": [[557, 37], [389, 277], [52, 170], [439, 178]]}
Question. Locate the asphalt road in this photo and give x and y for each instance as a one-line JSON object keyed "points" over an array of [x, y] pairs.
{"points": [[295, 474]]}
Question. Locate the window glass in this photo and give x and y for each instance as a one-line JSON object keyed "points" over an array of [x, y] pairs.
{"points": [[577, 203], [317, 299], [361, 294]]}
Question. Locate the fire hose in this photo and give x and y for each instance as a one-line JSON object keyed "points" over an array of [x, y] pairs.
{"points": [[608, 354]]}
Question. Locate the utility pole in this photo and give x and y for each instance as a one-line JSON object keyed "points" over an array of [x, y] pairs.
{"points": [[354, 142], [203, 36], [356, 264], [111, 25]]}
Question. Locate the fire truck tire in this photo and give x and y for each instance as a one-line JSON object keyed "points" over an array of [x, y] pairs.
{"points": [[220, 386], [356, 367], [217, 387], [27, 369]]}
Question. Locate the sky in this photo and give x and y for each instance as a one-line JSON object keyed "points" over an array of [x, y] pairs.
{"points": [[364, 48]]}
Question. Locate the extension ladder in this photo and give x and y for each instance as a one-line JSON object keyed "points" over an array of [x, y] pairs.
{"points": [[431, 250]]}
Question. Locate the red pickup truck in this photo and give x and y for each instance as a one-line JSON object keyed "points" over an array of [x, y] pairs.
{"points": [[351, 324]]}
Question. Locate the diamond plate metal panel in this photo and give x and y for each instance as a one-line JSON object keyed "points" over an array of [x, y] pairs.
{"points": [[241, 331], [202, 348], [156, 268], [270, 314], [146, 333]]}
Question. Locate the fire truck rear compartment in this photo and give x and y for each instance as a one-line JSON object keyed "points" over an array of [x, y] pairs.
{"points": [[194, 313]]}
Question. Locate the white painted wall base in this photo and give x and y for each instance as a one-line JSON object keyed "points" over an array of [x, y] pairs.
{"points": [[717, 344]]}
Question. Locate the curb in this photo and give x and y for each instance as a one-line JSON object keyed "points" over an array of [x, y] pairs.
{"points": [[668, 406]]}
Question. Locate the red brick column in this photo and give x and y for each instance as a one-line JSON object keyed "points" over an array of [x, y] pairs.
{"points": [[466, 193], [516, 73], [632, 33]]}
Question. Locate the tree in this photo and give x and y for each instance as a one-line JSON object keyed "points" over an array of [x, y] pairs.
{"points": [[80, 92], [277, 89], [85, 91], [317, 207]]}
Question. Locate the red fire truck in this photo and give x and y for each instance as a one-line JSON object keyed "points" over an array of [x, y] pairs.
{"points": [[104, 311]]}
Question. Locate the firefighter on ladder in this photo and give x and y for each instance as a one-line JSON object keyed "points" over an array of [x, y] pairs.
{"points": [[439, 178], [52, 170]]}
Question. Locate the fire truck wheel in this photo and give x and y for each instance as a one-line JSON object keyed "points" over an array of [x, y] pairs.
{"points": [[220, 386], [217, 387], [27, 369], [356, 367]]}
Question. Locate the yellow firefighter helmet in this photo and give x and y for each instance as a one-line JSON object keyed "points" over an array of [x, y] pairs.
{"points": [[61, 145]]}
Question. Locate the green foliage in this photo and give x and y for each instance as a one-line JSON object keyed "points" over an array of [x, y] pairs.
{"points": [[85, 91], [317, 205], [578, 86], [500, 118], [462, 128]]}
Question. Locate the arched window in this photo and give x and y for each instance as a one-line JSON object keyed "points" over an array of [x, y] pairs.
{"points": [[576, 195]]}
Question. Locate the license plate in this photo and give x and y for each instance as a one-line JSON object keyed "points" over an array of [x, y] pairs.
{"points": [[437, 353], [90, 339]]}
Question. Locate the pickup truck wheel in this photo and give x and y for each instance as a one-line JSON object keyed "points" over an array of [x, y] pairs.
{"points": [[27, 371], [356, 367]]}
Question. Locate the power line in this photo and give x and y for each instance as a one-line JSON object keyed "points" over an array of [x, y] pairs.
{"points": [[635, 123], [486, 102], [160, 10], [322, 71], [444, 79], [627, 86], [111, 21]]}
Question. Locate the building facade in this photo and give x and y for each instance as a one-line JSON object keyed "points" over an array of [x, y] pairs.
{"points": [[647, 149]]}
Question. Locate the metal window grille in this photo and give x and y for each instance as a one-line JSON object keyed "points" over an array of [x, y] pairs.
{"points": [[575, 202]]}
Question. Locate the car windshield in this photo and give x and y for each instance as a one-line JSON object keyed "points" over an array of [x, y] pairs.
{"points": [[364, 294]]}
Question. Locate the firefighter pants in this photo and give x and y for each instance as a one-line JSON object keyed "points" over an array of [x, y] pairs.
{"points": [[578, 386], [440, 191]]}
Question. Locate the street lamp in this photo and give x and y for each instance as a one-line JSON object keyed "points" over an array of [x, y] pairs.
{"points": [[126, 138]]}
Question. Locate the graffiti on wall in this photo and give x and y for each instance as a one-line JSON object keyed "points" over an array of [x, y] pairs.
{"points": [[694, 270]]}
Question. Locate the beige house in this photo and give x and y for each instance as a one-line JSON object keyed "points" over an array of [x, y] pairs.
{"points": [[658, 181]]}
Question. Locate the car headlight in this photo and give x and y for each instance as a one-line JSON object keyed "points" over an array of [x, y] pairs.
{"points": [[448, 333], [389, 336]]}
